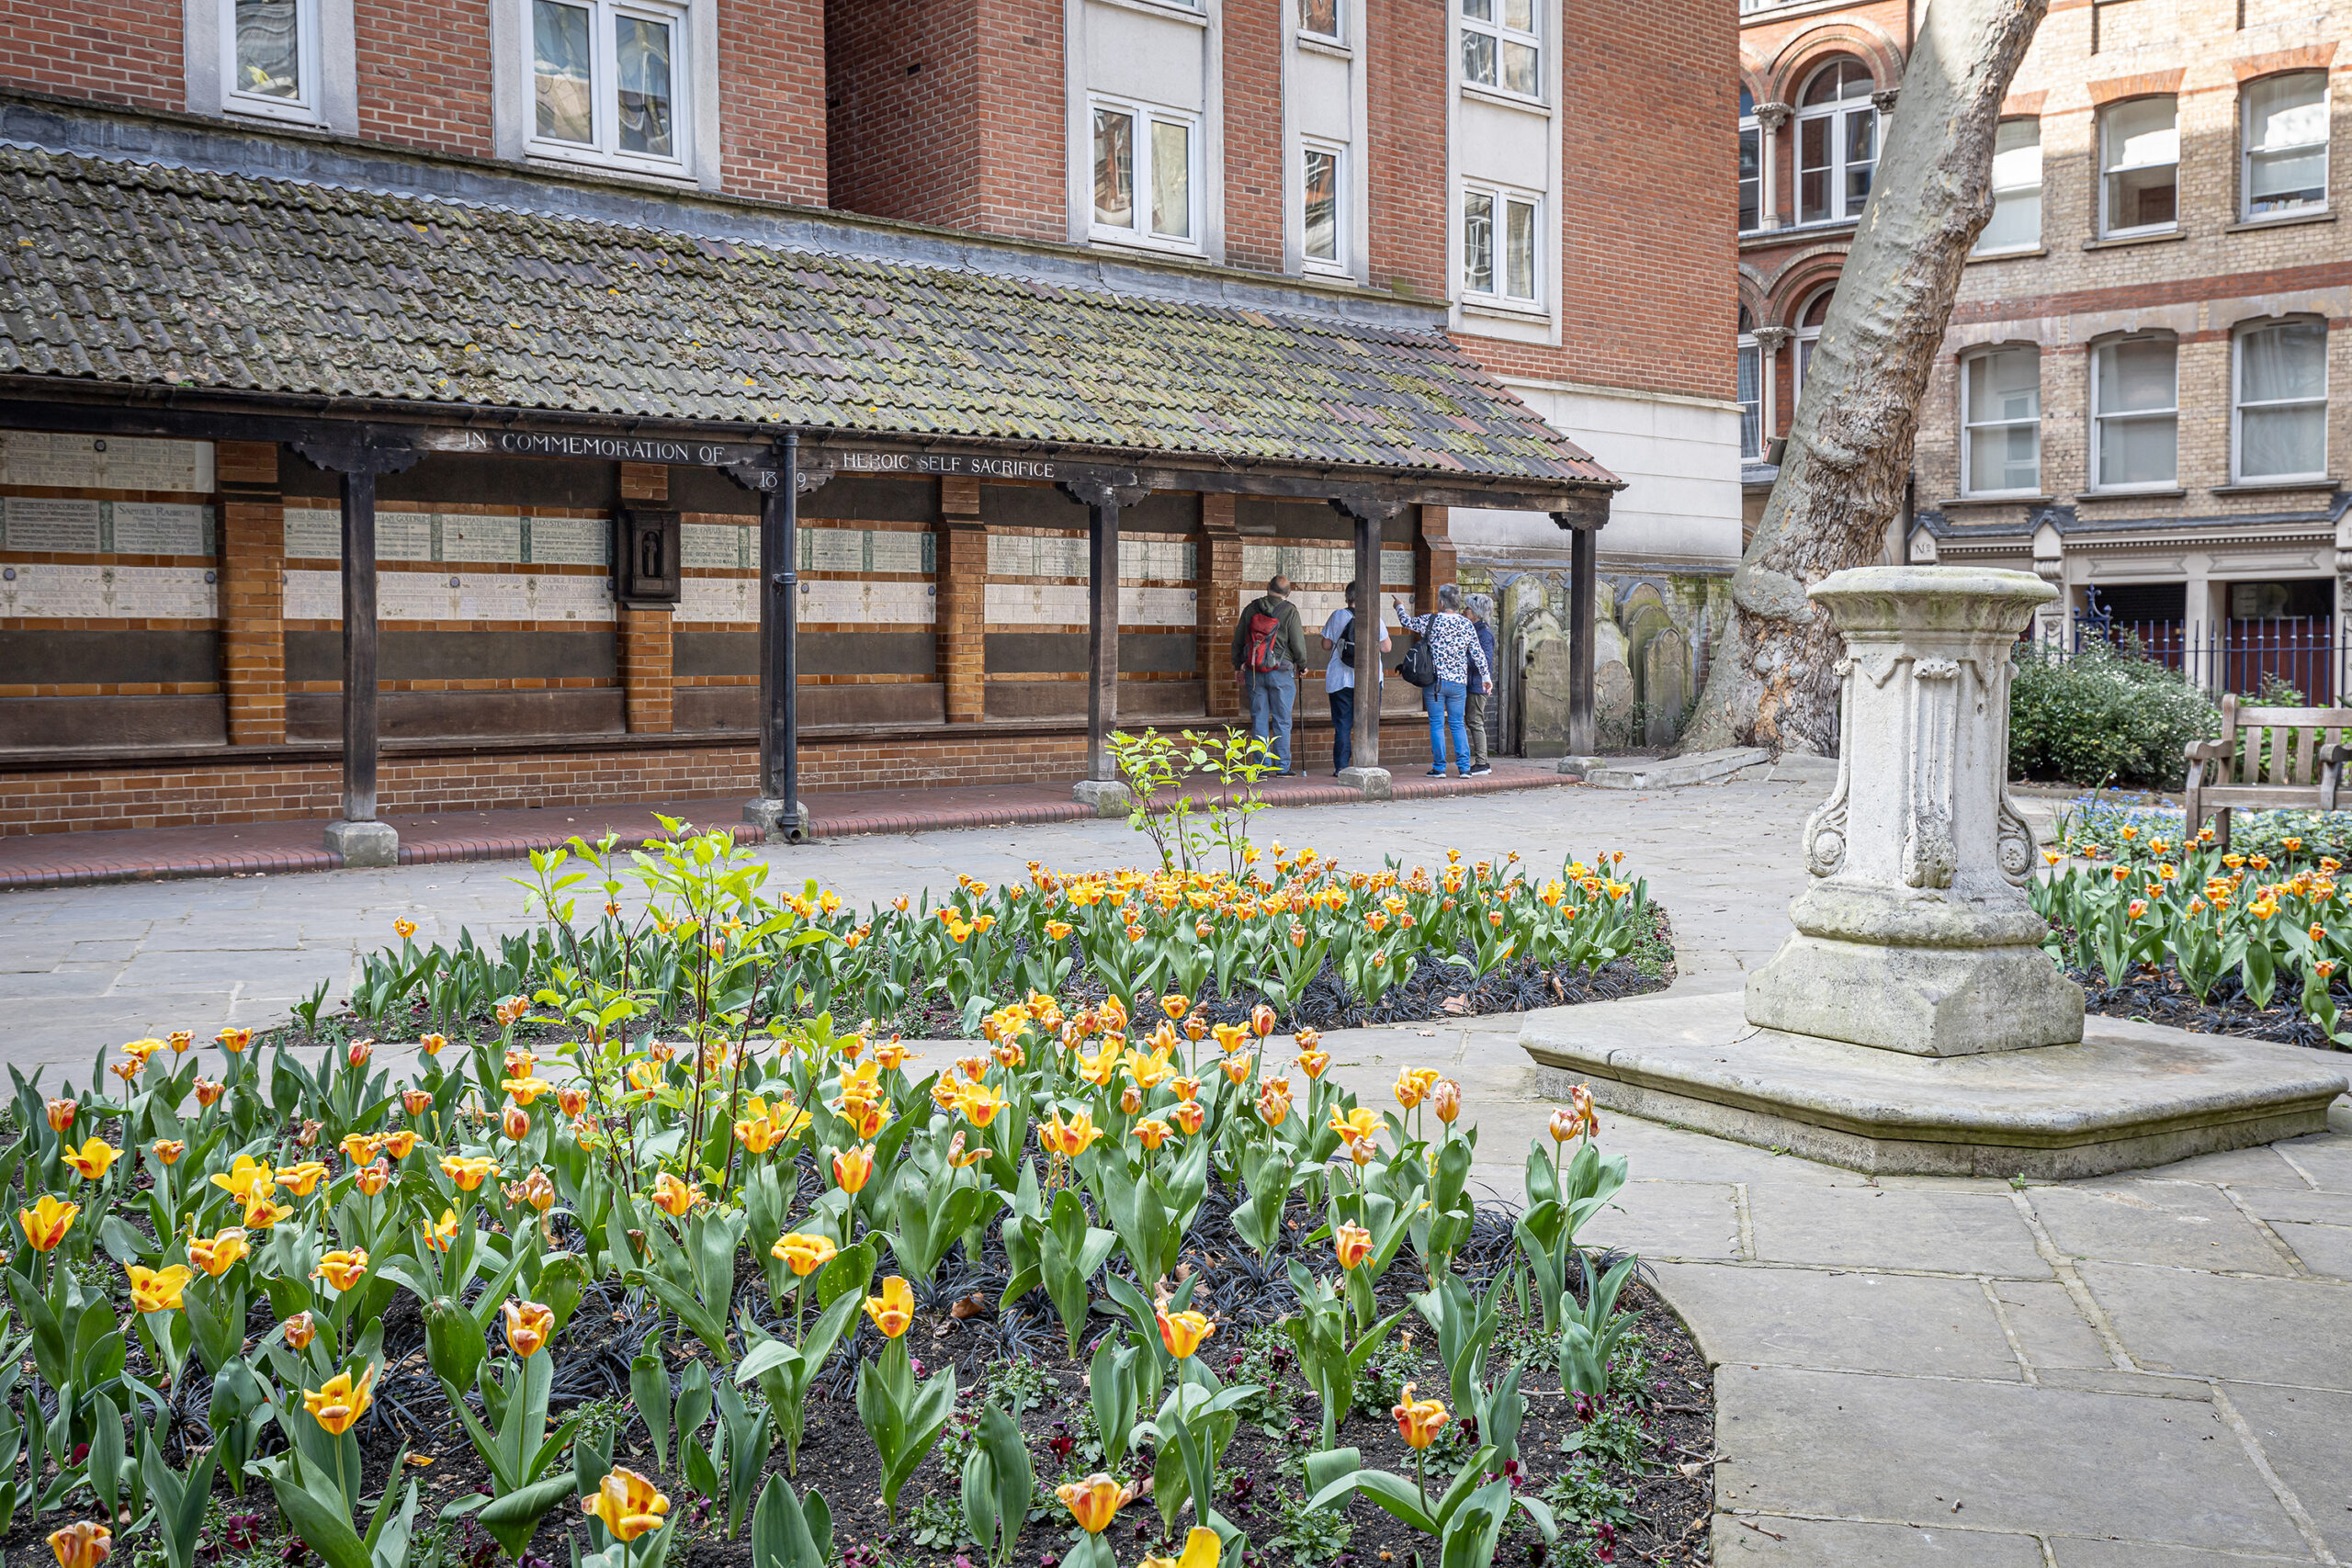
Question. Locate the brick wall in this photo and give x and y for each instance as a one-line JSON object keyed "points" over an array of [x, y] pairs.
{"points": [[197, 795], [117, 51], [772, 89], [424, 76], [1253, 122], [948, 112], [963, 558], [1404, 111]]}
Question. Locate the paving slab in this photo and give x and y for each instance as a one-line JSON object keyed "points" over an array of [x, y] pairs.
{"points": [[1771, 1541], [2303, 1204], [1867, 1226], [2264, 1167], [2014, 1457], [2071, 1551], [2324, 1161], [1852, 1320], [2307, 1437], [2218, 1326], [2049, 1326], [2325, 1250], [2184, 1223], [1670, 1219]]}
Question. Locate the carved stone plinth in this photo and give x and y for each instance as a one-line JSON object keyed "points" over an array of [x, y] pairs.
{"points": [[1915, 935]]}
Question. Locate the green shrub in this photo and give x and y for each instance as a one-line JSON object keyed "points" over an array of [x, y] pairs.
{"points": [[2101, 718]]}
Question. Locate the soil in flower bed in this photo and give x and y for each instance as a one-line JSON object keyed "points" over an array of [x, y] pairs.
{"points": [[2155, 995]]}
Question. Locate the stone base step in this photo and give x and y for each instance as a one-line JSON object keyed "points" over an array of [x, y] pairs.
{"points": [[2130, 1095]]}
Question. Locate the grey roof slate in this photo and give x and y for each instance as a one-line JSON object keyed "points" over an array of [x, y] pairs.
{"points": [[151, 274]]}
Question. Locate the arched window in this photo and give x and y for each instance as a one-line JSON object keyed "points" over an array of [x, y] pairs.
{"points": [[2279, 400], [1751, 390], [2000, 420], [1809, 320], [2016, 223], [1751, 164], [1837, 143], [2135, 412], [2286, 144]]}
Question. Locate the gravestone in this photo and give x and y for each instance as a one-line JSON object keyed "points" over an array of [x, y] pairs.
{"points": [[1543, 696], [1666, 688]]}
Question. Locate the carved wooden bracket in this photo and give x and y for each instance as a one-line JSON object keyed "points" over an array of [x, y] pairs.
{"points": [[357, 449]]}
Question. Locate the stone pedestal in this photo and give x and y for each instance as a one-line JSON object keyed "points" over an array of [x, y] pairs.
{"points": [[1913, 1021], [1915, 934], [1105, 798], [364, 843]]}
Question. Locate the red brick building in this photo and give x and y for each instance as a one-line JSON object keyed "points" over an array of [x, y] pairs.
{"points": [[2136, 397], [1277, 282]]}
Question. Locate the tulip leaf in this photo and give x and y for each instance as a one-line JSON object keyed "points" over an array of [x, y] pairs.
{"points": [[513, 1519]]}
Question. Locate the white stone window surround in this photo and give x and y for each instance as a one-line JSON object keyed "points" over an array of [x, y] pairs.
{"points": [[695, 86], [1496, 139], [1492, 30], [1090, 24], [1841, 121], [1144, 153], [329, 56], [1337, 34], [1308, 122]]}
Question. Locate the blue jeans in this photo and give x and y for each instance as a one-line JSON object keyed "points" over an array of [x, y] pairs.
{"points": [[1270, 695], [1444, 702], [1343, 728]]}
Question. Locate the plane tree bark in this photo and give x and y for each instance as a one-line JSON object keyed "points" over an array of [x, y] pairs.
{"points": [[1848, 453]]}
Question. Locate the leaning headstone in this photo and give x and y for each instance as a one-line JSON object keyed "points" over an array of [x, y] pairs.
{"points": [[1666, 688], [1543, 697]]}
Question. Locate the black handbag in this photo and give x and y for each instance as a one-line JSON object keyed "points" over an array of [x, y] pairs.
{"points": [[1419, 667]]}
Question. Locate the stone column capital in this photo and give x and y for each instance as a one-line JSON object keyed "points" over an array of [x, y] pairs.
{"points": [[1771, 117], [1772, 340], [1883, 100]]}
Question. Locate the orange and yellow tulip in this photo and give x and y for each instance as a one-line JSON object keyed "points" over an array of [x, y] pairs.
{"points": [[47, 1222], [1418, 1420], [341, 1270], [626, 1505], [529, 1326], [467, 1171], [852, 1168], [1092, 1502], [893, 1311], [804, 1255], [674, 1196], [83, 1545], [168, 1150], [1183, 1332], [301, 1329], [341, 1401], [216, 1254], [158, 1290], [92, 1159], [1353, 1245]]}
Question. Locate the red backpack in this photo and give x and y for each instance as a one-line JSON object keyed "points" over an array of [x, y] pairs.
{"points": [[1265, 646]]}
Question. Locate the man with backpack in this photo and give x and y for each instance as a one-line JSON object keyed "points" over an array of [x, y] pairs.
{"points": [[1268, 650], [1339, 679]]}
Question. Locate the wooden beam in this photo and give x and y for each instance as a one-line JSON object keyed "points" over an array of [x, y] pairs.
{"points": [[1364, 747]]}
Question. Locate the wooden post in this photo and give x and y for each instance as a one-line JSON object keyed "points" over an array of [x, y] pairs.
{"points": [[1101, 635], [359, 644], [1102, 496], [778, 811], [1583, 581]]}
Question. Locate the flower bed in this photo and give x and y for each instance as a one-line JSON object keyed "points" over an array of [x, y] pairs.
{"points": [[700, 1275], [2251, 942]]}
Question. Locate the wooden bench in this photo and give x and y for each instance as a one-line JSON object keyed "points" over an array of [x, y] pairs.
{"points": [[2267, 758]]}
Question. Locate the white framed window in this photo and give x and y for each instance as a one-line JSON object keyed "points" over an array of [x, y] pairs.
{"points": [[1323, 232], [2139, 161], [1501, 246], [1502, 46], [2279, 402], [270, 55], [1751, 392], [1837, 144], [2285, 134], [2000, 422], [2016, 223], [608, 83], [2135, 413], [1144, 183], [1751, 165], [1325, 19]]}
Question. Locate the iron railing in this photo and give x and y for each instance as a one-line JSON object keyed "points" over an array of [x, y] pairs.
{"points": [[2303, 652]]}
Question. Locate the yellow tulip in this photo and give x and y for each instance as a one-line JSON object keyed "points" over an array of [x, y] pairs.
{"points": [[804, 1255], [341, 1401], [299, 1179], [83, 1545], [1183, 1332], [168, 1150], [158, 1290], [852, 1168], [626, 1505], [217, 1255], [1202, 1550], [893, 1311], [341, 1270], [91, 1159], [529, 1326], [1418, 1420], [467, 1171], [1353, 1245], [674, 1196], [47, 1222], [1068, 1139], [246, 1177]]}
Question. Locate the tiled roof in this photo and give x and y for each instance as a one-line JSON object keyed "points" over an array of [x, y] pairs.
{"points": [[154, 275]]}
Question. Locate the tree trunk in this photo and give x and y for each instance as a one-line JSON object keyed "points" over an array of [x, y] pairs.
{"points": [[1850, 448]]}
